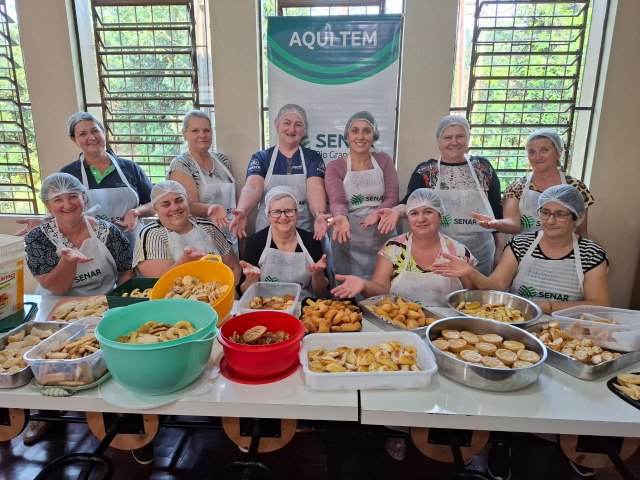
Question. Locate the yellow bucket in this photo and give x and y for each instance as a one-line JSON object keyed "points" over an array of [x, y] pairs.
{"points": [[208, 269]]}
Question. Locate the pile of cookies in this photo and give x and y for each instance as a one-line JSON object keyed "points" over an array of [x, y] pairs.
{"points": [[492, 311], [489, 349], [628, 384], [259, 335], [272, 303], [11, 356], [77, 309], [388, 356], [194, 288], [137, 293], [77, 348], [156, 332], [324, 316], [401, 313]]}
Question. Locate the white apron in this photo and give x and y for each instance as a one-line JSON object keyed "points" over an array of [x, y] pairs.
{"points": [[298, 182], [217, 192], [278, 266], [195, 238], [457, 223], [365, 192], [529, 218], [427, 289], [114, 202], [92, 278], [550, 280]]}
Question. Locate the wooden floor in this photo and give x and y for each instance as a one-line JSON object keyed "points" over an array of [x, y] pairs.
{"points": [[355, 452]]}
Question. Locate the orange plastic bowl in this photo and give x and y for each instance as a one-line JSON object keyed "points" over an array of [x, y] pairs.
{"points": [[208, 269], [261, 361]]}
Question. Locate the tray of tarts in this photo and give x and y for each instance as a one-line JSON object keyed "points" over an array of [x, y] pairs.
{"points": [[392, 313], [486, 354], [580, 357]]}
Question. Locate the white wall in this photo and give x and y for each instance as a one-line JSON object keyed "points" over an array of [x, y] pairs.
{"points": [[426, 79]]}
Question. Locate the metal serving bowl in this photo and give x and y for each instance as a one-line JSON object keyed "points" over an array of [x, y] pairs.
{"points": [[479, 376], [529, 310]]}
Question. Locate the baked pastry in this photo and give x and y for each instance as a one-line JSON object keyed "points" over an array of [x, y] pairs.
{"points": [[507, 357], [513, 345], [487, 349]]}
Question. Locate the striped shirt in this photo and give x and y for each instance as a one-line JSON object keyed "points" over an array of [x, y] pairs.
{"points": [[591, 254]]}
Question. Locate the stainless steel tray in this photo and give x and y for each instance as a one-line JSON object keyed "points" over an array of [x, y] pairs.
{"points": [[384, 324], [529, 310], [582, 371], [17, 379]]}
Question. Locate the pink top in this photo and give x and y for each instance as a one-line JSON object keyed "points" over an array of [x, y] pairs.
{"points": [[336, 171]]}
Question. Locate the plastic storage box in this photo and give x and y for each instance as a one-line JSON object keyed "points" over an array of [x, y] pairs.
{"points": [[367, 380], [115, 298], [586, 321], [270, 289], [75, 372]]}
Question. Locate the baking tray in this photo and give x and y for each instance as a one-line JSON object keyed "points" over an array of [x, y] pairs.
{"points": [[17, 379], [624, 397], [528, 309], [67, 300], [384, 324], [352, 301], [586, 372]]}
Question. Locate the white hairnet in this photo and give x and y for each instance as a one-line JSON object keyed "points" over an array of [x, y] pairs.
{"points": [[60, 183], [425, 197], [551, 135], [161, 189], [292, 108], [565, 195], [364, 116], [451, 121], [277, 193]]}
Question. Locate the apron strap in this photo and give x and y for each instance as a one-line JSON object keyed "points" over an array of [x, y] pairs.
{"points": [[115, 164]]}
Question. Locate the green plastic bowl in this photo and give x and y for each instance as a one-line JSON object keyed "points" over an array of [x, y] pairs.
{"points": [[158, 368]]}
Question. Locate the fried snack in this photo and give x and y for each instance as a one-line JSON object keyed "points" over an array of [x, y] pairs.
{"points": [[156, 332], [582, 350], [389, 356], [76, 309], [272, 303], [193, 288], [401, 313], [77, 348], [493, 311], [324, 316], [629, 384], [258, 335], [487, 349], [137, 293], [11, 356]]}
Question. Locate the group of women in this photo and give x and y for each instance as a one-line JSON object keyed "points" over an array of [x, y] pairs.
{"points": [[456, 215]]}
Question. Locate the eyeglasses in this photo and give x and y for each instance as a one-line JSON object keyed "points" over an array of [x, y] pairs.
{"points": [[289, 212], [560, 217]]}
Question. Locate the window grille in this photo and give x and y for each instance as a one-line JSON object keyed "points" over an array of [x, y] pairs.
{"points": [[19, 169], [525, 73], [148, 77]]}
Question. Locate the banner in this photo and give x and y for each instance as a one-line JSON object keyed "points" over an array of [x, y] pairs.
{"points": [[335, 66]]}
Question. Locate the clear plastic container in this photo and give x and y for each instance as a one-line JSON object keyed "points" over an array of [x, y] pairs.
{"points": [[589, 321], [268, 290], [367, 380], [63, 372]]}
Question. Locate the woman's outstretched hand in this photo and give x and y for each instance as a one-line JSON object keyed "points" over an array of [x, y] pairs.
{"points": [[350, 286]]}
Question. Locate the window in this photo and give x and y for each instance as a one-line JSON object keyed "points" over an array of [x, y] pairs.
{"points": [[523, 65], [152, 68], [19, 169]]}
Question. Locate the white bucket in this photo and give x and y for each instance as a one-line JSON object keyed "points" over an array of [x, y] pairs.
{"points": [[11, 275]]}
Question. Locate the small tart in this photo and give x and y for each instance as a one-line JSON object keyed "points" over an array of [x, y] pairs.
{"points": [[528, 356], [472, 356], [493, 338], [492, 362], [513, 345], [486, 348], [506, 356], [470, 337], [441, 344], [456, 345], [450, 334], [521, 364], [254, 334]]}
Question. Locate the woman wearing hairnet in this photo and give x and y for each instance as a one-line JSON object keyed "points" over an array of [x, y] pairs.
{"points": [[553, 267], [519, 204], [205, 175], [357, 186], [176, 237], [466, 184], [289, 164], [75, 254], [283, 253], [405, 265]]}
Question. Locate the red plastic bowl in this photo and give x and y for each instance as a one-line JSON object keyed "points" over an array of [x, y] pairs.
{"points": [[261, 361]]}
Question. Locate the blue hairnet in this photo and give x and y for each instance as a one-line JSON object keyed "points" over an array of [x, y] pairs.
{"points": [[565, 195], [425, 197], [451, 121], [61, 183], [365, 116], [551, 135]]}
